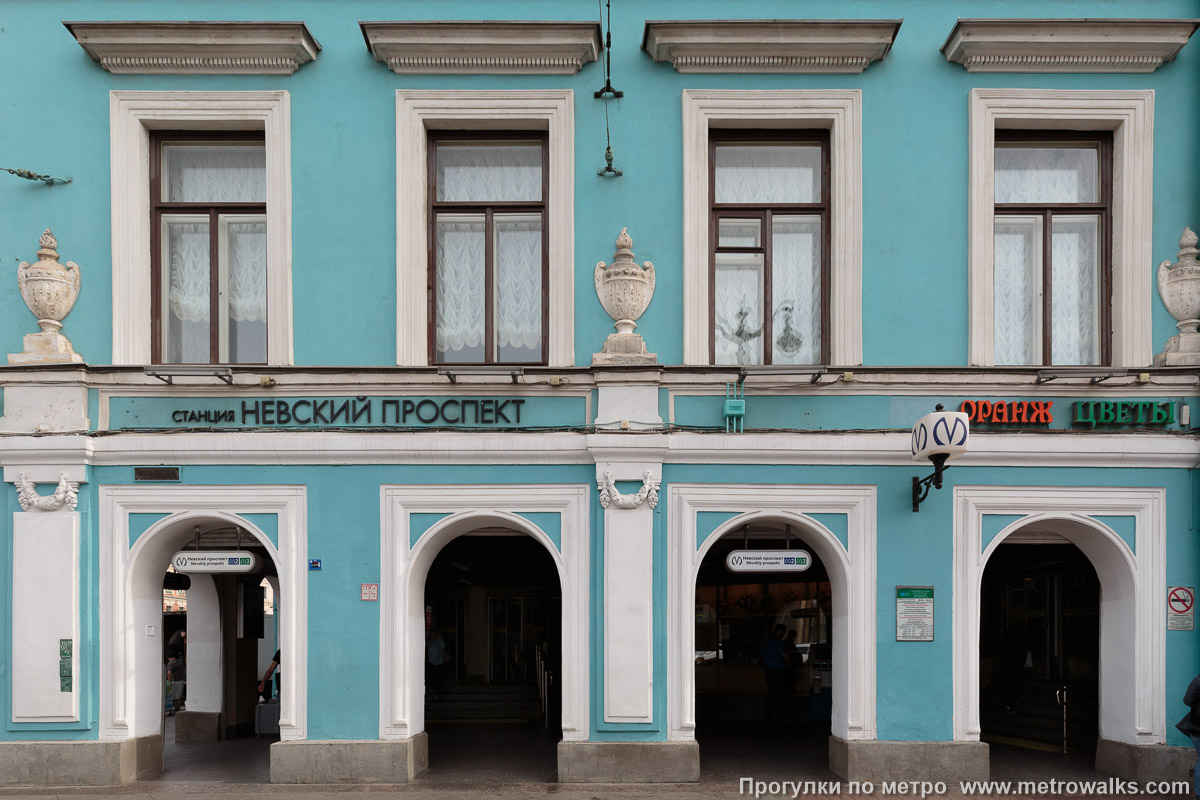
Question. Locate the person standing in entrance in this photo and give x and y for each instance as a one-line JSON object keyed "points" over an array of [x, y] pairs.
{"points": [[775, 672], [177, 675], [265, 684], [435, 659], [1189, 726]]}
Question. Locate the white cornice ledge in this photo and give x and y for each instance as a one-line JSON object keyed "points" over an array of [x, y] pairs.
{"points": [[197, 48], [453, 47], [1066, 45], [770, 45]]}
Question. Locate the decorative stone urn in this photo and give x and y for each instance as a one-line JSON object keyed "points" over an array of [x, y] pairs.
{"points": [[1179, 287], [50, 290], [625, 290]]}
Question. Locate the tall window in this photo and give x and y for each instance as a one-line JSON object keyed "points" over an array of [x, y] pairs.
{"points": [[1053, 248], [769, 228], [208, 248], [488, 265]]}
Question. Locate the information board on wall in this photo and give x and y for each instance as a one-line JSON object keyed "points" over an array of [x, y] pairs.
{"points": [[914, 613]]}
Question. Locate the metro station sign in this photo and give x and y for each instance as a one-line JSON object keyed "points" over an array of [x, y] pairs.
{"points": [[210, 561], [768, 561]]}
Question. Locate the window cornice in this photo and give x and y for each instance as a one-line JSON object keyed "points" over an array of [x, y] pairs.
{"points": [[484, 47], [1066, 45], [769, 45], [196, 48]]}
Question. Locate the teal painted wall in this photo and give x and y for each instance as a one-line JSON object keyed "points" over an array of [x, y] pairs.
{"points": [[344, 532], [344, 166]]}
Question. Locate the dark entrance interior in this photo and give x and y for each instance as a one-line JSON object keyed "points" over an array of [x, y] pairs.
{"points": [[218, 728], [1040, 656], [741, 728], [493, 617]]}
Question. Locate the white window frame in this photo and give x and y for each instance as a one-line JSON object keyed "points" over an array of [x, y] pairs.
{"points": [[419, 111], [1129, 114], [840, 112], [132, 115]]}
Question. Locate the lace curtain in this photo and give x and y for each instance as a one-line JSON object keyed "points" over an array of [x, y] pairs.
{"points": [[460, 299], [1018, 295], [767, 174], [1047, 175], [215, 174], [1041, 175], [187, 329], [479, 173], [518, 287], [489, 173], [1074, 290], [738, 292], [796, 290]]}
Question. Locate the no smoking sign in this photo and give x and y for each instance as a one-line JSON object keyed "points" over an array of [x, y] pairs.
{"points": [[1181, 608]]}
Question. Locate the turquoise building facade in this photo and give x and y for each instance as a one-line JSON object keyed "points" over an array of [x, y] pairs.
{"points": [[363, 439]]}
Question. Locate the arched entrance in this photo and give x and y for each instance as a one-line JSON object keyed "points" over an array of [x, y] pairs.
{"points": [[1039, 653], [1121, 534], [207, 734], [769, 650], [701, 514], [140, 529], [485, 597]]}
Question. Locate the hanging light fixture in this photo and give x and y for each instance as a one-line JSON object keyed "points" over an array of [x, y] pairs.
{"points": [[604, 93]]}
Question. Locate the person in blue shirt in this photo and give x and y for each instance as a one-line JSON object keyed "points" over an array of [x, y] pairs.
{"points": [[775, 671]]}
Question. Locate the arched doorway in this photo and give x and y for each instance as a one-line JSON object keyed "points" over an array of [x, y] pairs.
{"points": [[211, 734], [753, 713], [1039, 654], [486, 649], [1122, 533]]}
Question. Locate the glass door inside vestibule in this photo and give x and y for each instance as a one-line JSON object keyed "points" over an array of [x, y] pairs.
{"points": [[517, 627]]}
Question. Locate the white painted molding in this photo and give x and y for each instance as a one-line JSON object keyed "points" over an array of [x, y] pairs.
{"points": [[1129, 114], [483, 47], [769, 45], [196, 48], [132, 115], [420, 110], [66, 494], [405, 567], [1066, 45], [838, 110], [45, 608], [851, 575], [648, 493], [1058, 449], [130, 701], [628, 531], [1132, 588]]}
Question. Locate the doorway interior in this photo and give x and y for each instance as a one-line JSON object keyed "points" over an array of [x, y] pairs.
{"points": [[217, 726], [493, 647], [744, 724], [1039, 658]]}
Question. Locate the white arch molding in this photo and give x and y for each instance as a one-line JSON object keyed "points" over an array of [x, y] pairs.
{"points": [[851, 576], [405, 567], [131, 592], [1132, 585]]}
